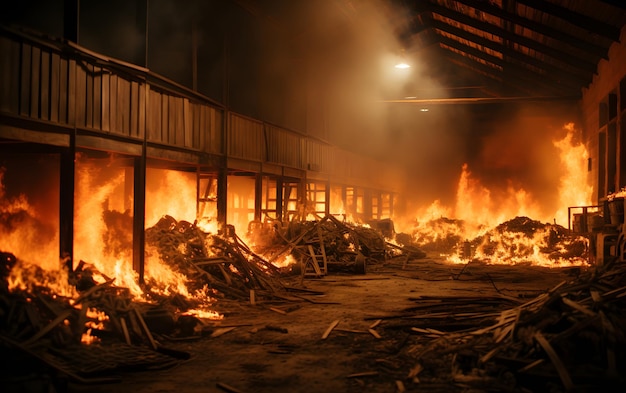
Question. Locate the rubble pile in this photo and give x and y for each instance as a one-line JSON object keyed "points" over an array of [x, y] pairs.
{"points": [[224, 263], [346, 247], [521, 236], [84, 336], [570, 338], [511, 241]]}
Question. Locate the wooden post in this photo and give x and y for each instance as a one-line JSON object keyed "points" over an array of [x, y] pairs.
{"points": [[66, 205], [139, 215]]}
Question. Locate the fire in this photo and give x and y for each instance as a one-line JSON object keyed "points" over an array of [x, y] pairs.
{"points": [[479, 209], [574, 189], [95, 320], [24, 231]]}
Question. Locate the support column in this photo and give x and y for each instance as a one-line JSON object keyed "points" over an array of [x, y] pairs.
{"points": [[279, 198], [222, 195], [139, 215], [66, 205], [258, 196], [327, 198]]}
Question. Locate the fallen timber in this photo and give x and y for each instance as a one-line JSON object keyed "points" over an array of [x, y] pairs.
{"points": [[343, 246], [570, 338], [41, 328]]}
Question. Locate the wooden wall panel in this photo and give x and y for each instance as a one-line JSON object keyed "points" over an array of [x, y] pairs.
{"points": [[44, 90], [283, 147], [96, 116], [106, 102], [55, 86], [81, 102], [34, 82], [25, 80], [9, 76], [245, 138]]}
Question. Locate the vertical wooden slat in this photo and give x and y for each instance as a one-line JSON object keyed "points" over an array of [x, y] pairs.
{"points": [[106, 101], [67, 101], [165, 112], [172, 117], [123, 106], [97, 98], [180, 122], [64, 89], [134, 109], [55, 94], [144, 93], [9, 71], [25, 80], [81, 98], [35, 82], [44, 101], [113, 103], [154, 115], [89, 93], [186, 123]]}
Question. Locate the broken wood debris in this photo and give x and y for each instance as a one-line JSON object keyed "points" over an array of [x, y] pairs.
{"points": [[572, 335], [222, 261], [343, 247], [79, 335]]}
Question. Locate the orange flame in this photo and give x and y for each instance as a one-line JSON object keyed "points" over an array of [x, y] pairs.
{"points": [[479, 208]]}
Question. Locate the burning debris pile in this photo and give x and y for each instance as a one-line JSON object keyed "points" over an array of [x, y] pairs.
{"points": [[522, 239], [39, 326], [519, 240], [224, 263], [329, 244], [570, 338]]}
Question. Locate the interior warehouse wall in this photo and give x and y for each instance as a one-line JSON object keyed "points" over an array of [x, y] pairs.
{"points": [[604, 113]]}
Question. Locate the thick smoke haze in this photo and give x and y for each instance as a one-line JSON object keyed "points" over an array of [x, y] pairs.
{"points": [[325, 68]]}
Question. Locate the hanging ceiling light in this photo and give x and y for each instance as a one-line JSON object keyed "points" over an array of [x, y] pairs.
{"points": [[402, 64]]}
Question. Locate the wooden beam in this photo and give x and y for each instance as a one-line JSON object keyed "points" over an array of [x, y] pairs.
{"points": [[551, 70], [540, 28], [517, 84], [508, 67], [593, 26], [582, 68], [589, 63]]}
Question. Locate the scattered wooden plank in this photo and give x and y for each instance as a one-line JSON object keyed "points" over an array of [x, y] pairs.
{"points": [[363, 374], [146, 331], [220, 331], [48, 327], [376, 323], [125, 331], [227, 388], [330, 329], [556, 361], [374, 333], [278, 310]]}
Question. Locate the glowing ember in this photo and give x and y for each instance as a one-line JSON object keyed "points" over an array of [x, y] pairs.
{"points": [[95, 320]]}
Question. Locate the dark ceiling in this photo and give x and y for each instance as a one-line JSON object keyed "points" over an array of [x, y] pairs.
{"points": [[513, 48], [492, 49]]}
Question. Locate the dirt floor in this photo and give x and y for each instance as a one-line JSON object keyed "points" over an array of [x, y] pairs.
{"points": [[279, 346]]}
